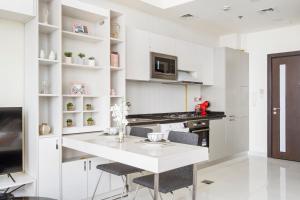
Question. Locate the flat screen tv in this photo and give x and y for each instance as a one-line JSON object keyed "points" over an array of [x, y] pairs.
{"points": [[11, 140]]}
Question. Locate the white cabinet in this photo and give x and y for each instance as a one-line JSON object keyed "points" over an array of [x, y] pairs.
{"points": [[93, 176], [205, 73], [138, 55], [230, 94], [217, 140], [49, 168], [188, 55], [20, 10], [80, 177], [74, 180], [162, 44]]}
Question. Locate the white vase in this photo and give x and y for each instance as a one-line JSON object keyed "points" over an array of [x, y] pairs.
{"points": [[91, 63], [52, 55], [68, 60], [42, 54]]}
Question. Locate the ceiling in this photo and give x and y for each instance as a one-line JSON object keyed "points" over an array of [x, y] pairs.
{"points": [[209, 14]]}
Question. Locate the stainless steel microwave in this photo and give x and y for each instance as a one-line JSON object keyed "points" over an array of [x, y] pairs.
{"points": [[163, 66]]}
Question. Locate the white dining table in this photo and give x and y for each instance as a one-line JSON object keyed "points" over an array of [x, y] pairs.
{"points": [[152, 157]]}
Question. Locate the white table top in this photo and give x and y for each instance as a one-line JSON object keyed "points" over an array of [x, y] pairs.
{"points": [[154, 158]]}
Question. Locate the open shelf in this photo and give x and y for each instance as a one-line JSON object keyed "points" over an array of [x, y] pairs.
{"points": [[81, 37], [79, 66], [47, 62], [48, 95], [116, 96], [83, 11], [116, 68], [115, 41], [47, 28], [72, 112]]}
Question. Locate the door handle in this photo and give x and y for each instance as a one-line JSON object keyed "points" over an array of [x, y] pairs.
{"points": [[90, 165], [56, 146], [275, 109], [84, 167]]}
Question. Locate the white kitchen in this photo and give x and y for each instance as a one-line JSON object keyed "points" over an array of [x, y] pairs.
{"points": [[141, 99]]}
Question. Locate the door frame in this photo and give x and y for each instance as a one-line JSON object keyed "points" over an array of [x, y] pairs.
{"points": [[269, 87]]}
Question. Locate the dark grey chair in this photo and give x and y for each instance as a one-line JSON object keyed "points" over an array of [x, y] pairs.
{"points": [[175, 179], [120, 169]]}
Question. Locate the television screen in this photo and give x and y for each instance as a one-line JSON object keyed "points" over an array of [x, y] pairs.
{"points": [[11, 144]]}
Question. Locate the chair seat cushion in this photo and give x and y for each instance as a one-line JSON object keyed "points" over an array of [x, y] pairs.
{"points": [[118, 169], [168, 182]]}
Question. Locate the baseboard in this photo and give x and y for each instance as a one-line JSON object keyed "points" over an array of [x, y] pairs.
{"points": [[257, 153]]}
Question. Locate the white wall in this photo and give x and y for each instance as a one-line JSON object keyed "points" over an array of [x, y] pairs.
{"points": [[11, 63], [153, 97], [159, 98], [259, 45]]}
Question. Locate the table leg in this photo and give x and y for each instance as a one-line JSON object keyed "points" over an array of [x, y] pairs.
{"points": [[156, 186], [195, 182]]}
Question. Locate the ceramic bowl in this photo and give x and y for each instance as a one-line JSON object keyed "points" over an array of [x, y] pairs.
{"points": [[155, 137]]}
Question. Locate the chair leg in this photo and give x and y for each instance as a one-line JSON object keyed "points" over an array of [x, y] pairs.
{"points": [[97, 185], [136, 191], [124, 187]]}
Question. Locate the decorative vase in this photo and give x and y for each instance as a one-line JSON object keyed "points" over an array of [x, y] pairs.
{"points": [[42, 54], [52, 55], [44, 87], [115, 30], [114, 59], [44, 129], [68, 60], [121, 136], [91, 63]]}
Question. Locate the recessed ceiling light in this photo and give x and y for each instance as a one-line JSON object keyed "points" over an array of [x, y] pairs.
{"points": [[227, 8], [164, 4]]}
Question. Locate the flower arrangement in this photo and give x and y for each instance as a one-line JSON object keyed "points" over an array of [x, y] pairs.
{"points": [[119, 113]]}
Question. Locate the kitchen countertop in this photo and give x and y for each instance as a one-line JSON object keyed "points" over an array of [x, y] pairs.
{"points": [[160, 118]]}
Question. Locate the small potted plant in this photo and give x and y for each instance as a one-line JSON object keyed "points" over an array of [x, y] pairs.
{"points": [[69, 122], [68, 57], [92, 61], [90, 121], [88, 106], [81, 58], [70, 106]]}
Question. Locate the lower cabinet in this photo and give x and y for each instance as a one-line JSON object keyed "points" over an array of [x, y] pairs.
{"points": [[79, 180], [49, 168], [218, 147]]}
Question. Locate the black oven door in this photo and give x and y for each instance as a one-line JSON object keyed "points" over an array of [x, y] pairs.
{"points": [[163, 66], [203, 136]]}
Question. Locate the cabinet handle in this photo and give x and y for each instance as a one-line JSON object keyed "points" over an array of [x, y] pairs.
{"points": [[56, 146], [84, 166], [90, 165]]}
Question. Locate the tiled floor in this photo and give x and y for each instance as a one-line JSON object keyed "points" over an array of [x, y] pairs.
{"points": [[253, 178]]}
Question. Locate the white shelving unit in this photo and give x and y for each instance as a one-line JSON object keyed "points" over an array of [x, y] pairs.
{"points": [[117, 45], [44, 154]]}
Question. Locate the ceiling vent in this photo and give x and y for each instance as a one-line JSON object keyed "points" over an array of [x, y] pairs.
{"points": [[266, 10], [187, 16]]}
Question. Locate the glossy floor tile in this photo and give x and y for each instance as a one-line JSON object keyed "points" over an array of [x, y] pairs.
{"points": [[249, 178]]}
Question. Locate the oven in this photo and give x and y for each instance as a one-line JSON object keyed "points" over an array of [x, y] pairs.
{"points": [[163, 66], [201, 128]]}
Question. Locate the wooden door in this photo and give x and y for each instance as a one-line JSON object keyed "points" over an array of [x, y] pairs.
{"points": [[74, 180], [49, 168], [284, 109]]}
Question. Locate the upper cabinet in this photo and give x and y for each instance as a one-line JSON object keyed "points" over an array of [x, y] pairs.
{"points": [[138, 55], [162, 44], [192, 58], [19, 10]]}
